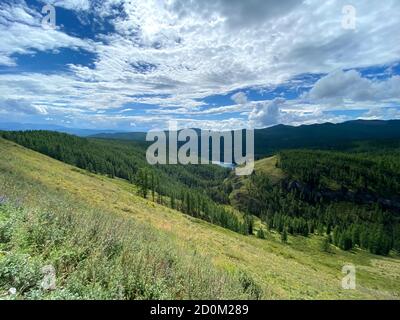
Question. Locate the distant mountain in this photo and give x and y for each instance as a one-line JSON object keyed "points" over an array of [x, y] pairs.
{"points": [[325, 136], [133, 136], [11, 126], [268, 140]]}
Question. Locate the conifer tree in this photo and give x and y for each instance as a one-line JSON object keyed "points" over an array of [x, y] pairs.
{"points": [[325, 245], [284, 236]]}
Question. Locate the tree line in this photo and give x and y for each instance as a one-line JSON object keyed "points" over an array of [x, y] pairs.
{"points": [[193, 190], [345, 224]]}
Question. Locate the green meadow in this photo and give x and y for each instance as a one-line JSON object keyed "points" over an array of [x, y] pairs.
{"points": [[107, 242]]}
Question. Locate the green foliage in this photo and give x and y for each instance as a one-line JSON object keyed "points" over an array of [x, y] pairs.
{"points": [[260, 233], [325, 245], [249, 285], [99, 256], [284, 236], [396, 238], [328, 136], [194, 187], [324, 190], [19, 271], [302, 203], [86, 241], [363, 172], [121, 159]]}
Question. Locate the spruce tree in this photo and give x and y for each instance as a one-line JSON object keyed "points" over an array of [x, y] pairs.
{"points": [[325, 245], [284, 236]]}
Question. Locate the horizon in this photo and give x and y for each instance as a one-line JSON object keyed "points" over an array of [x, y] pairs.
{"points": [[47, 127], [134, 66]]}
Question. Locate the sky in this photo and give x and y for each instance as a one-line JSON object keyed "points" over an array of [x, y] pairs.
{"points": [[135, 65]]}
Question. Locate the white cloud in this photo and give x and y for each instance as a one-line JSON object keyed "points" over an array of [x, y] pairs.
{"points": [[21, 32], [266, 113], [70, 4], [237, 13], [21, 106], [196, 55], [239, 98], [339, 86], [195, 49], [382, 113]]}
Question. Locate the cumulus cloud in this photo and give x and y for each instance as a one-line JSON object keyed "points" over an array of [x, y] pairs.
{"points": [[239, 98], [21, 32], [70, 4], [382, 113], [21, 106], [176, 53], [340, 85], [266, 113], [237, 13], [195, 55]]}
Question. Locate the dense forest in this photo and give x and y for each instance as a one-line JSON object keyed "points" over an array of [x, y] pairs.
{"points": [[349, 197], [326, 136], [193, 190], [362, 172], [352, 199]]}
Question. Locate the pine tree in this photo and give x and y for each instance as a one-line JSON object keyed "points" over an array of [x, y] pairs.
{"points": [[336, 236], [152, 187], [345, 241], [284, 236], [325, 245], [249, 222], [320, 229], [328, 229], [143, 182]]}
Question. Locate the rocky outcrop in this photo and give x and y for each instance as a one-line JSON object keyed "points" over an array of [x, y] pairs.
{"points": [[360, 197]]}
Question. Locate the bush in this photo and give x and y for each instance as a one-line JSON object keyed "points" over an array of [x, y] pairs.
{"points": [[19, 271], [102, 256], [250, 286], [260, 233], [325, 245]]}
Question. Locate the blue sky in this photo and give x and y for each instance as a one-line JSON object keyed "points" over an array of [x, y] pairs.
{"points": [[216, 64]]}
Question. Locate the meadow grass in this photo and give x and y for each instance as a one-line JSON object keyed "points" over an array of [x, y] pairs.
{"points": [[169, 254], [96, 254]]}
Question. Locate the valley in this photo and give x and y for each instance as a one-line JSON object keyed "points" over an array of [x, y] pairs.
{"points": [[297, 268]]}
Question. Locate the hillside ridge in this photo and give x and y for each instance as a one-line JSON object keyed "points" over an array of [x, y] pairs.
{"points": [[293, 270]]}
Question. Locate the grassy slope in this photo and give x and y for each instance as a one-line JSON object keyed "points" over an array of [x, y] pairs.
{"points": [[294, 270], [267, 166]]}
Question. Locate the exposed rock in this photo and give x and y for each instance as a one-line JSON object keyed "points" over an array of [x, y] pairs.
{"points": [[12, 291], [361, 197], [3, 199]]}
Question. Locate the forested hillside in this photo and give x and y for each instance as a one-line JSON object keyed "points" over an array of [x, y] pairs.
{"points": [[374, 173], [336, 136], [102, 239], [194, 190], [339, 136], [107, 242], [351, 197]]}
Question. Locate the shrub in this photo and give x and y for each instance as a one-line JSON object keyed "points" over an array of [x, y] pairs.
{"points": [[20, 271], [260, 233]]}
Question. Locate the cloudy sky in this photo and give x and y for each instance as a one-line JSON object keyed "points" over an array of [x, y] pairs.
{"points": [[220, 64]]}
